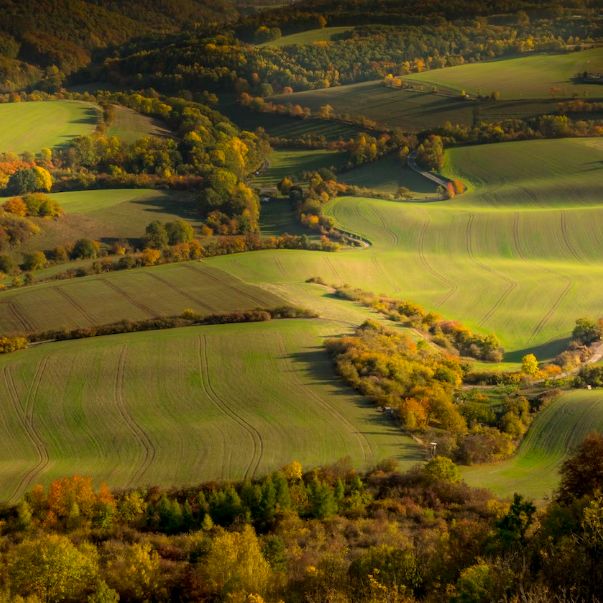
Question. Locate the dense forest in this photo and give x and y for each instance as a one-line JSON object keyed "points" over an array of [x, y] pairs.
{"points": [[329, 535]]}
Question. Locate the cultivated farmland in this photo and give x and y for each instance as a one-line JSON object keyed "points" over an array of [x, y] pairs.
{"points": [[520, 256], [536, 76], [326, 34], [556, 432], [130, 125], [135, 295], [182, 406]]}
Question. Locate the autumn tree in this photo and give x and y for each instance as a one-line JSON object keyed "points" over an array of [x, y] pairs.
{"points": [[52, 568], [582, 473]]}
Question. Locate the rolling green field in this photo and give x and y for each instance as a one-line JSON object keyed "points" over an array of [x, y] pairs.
{"points": [[519, 256], [109, 214], [183, 406], [533, 76], [292, 162], [310, 36], [556, 431], [33, 126], [130, 125], [133, 294]]}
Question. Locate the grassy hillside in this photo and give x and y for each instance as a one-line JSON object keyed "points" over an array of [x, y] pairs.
{"points": [[130, 125], [387, 175], [111, 214], [520, 257], [292, 162], [134, 294], [310, 36], [559, 429], [37, 125], [180, 406], [526, 77]]}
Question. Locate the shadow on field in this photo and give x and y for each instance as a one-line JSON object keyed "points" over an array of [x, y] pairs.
{"points": [[316, 364], [185, 208], [544, 351]]}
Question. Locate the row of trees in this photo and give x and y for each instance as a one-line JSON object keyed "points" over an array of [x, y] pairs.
{"points": [[330, 534]]}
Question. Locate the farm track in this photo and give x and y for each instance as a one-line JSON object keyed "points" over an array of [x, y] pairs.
{"points": [[511, 284], [256, 436], [226, 450], [140, 435], [61, 291], [26, 417], [565, 235], [453, 287], [232, 288], [393, 234], [178, 290], [19, 317], [538, 328], [360, 437], [143, 307], [516, 237]]}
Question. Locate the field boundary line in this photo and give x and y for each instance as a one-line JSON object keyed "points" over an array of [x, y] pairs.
{"points": [[137, 431], [256, 436]]}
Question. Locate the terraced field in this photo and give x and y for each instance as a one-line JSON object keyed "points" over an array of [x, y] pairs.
{"points": [[38, 125], [519, 256], [134, 294], [535, 76], [111, 214], [183, 406], [556, 431]]}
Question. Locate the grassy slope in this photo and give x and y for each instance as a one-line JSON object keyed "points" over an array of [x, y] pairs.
{"points": [[292, 162], [387, 176], [520, 256], [134, 294], [406, 109], [130, 125], [37, 125], [308, 37], [559, 428], [526, 77], [110, 214], [183, 406]]}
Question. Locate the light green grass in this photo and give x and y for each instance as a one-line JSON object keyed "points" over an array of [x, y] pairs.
{"points": [[130, 125], [556, 431], [519, 257], [134, 294], [310, 36], [110, 214], [293, 162], [38, 125], [184, 406], [532, 76]]}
